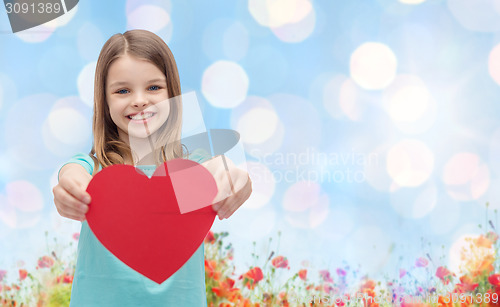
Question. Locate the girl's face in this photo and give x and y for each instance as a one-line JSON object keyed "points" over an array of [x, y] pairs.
{"points": [[136, 93]]}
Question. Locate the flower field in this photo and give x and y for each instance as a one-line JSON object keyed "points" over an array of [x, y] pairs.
{"points": [[274, 283]]}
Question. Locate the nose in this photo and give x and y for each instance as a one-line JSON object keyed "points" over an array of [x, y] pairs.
{"points": [[140, 101]]}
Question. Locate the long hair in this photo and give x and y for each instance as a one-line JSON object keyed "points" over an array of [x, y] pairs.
{"points": [[108, 148]]}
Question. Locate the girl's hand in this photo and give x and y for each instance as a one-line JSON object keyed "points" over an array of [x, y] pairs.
{"points": [[234, 186], [70, 195]]}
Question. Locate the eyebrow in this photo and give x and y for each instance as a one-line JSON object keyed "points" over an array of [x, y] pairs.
{"points": [[120, 83]]}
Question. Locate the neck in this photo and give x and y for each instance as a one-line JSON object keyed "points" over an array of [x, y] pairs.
{"points": [[142, 150]]}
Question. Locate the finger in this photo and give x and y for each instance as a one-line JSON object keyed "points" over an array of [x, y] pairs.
{"points": [[70, 205], [73, 216], [216, 206], [235, 201], [77, 192], [221, 208]]}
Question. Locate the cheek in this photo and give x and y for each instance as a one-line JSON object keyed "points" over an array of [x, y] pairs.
{"points": [[115, 113], [164, 112], [115, 108]]}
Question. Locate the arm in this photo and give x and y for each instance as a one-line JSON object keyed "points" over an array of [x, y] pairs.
{"points": [[70, 196]]}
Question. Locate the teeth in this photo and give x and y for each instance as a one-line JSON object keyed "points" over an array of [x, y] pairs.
{"points": [[141, 116]]}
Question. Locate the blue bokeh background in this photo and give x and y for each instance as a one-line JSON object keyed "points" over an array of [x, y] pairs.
{"points": [[371, 128]]}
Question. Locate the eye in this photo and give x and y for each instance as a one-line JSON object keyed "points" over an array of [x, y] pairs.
{"points": [[154, 88], [122, 91]]}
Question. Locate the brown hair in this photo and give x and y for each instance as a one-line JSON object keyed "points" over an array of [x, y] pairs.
{"points": [[107, 146]]}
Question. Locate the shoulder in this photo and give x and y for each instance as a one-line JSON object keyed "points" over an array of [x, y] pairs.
{"points": [[199, 155], [82, 159]]}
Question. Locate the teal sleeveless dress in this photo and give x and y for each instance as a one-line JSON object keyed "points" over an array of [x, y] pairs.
{"points": [[101, 279]]}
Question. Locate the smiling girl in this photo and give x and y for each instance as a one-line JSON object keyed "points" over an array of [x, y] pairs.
{"points": [[136, 121]]}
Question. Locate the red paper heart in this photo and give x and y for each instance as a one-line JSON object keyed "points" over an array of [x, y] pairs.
{"points": [[138, 218]]}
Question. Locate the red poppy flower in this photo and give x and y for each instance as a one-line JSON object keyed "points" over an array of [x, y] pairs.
{"points": [[444, 274], [210, 238], [210, 269], [45, 262], [325, 275], [303, 274], [23, 274], [280, 262], [368, 284], [226, 289], [494, 280], [482, 241], [466, 285], [252, 277]]}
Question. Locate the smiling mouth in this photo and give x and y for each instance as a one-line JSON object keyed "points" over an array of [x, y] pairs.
{"points": [[141, 116]]}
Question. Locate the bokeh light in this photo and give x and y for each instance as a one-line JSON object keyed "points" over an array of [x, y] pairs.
{"points": [[410, 163], [406, 99], [291, 21], [456, 249], [225, 84], [148, 17], [266, 145], [24, 196], [257, 125], [276, 13], [132, 5], [68, 126], [301, 196], [225, 37], [64, 19], [7, 213], [494, 63], [466, 177], [36, 35], [464, 253], [306, 205], [410, 104], [21, 205], [263, 185], [296, 32], [480, 15], [85, 83], [373, 66], [349, 100]]}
